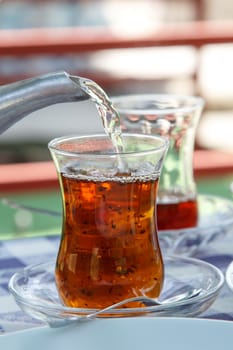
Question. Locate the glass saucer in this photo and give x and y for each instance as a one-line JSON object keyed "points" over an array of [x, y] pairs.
{"points": [[35, 291], [215, 221], [229, 276]]}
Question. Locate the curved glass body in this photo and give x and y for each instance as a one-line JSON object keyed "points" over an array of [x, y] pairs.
{"points": [[109, 248]]}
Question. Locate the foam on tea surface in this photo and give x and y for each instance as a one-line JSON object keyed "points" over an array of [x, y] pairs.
{"points": [[110, 172]]}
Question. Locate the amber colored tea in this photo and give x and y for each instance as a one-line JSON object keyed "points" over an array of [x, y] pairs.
{"points": [[109, 248], [172, 216]]}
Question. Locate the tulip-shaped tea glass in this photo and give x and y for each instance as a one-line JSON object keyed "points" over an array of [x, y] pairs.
{"points": [[174, 117], [109, 247]]}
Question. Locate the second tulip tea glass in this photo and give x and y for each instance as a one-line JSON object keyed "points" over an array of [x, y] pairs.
{"points": [[174, 117], [109, 247]]}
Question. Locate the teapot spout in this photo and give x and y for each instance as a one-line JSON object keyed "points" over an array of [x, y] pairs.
{"points": [[20, 99]]}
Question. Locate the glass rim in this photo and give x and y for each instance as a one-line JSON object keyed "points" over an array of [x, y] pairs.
{"points": [[52, 145], [195, 102]]}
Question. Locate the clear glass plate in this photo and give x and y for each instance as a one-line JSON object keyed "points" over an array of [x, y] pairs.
{"points": [[35, 291], [215, 221], [229, 276]]}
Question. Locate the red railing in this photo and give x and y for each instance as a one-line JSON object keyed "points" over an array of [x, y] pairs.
{"points": [[42, 175], [80, 40]]}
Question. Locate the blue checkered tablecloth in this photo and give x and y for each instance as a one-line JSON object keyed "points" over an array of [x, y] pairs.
{"points": [[15, 254]]}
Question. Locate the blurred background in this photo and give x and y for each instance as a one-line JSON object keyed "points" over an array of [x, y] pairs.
{"points": [[126, 46], [169, 51]]}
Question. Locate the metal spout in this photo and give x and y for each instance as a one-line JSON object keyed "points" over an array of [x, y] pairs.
{"points": [[20, 99]]}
